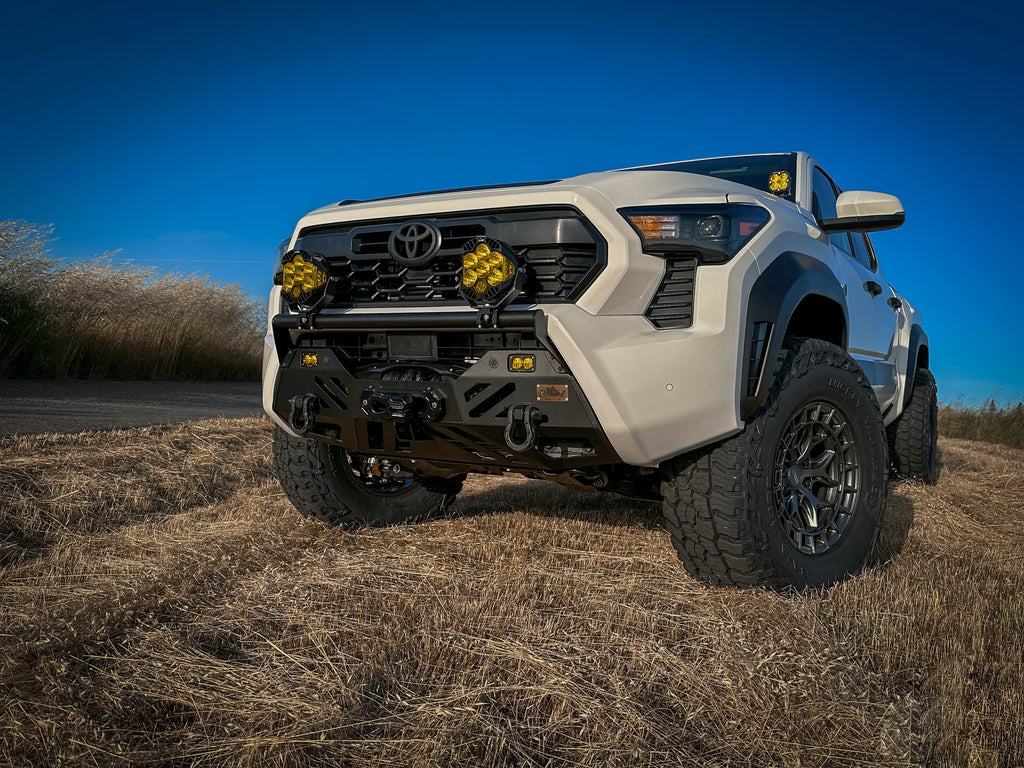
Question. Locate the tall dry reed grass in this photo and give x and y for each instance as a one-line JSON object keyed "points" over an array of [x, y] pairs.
{"points": [[162, 604], [991, 422], [108, 319]]}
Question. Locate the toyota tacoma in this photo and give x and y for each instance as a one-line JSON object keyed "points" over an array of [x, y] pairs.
{"points": [[713, 334]]}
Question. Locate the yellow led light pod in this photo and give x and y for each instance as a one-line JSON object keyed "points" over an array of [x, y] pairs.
{"points": [[303, 279], [522, 363], [778, 181], [491, 276], [483, 268]]}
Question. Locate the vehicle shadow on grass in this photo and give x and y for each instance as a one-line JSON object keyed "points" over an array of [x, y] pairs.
{"points": [[542, 498], [899, 517], [547, 499]]}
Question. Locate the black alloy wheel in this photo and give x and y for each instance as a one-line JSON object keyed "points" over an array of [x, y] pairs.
{"points": [[816, 478], [797, 498]]}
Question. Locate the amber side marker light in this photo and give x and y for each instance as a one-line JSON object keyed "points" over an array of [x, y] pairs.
{"points": [[656, 227]]}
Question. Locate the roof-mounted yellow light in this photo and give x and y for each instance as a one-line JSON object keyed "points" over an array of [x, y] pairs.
{"points": [[304, 278], [779, 181]]}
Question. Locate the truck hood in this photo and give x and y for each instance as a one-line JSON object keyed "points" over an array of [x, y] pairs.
{"points": [[618, 188]]}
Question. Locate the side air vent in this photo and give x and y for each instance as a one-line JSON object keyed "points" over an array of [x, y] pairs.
{"points": [[672, 306], [758, 346]]}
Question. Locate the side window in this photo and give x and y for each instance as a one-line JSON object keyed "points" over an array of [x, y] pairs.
{"points": [[823, 204], [862, 251]]}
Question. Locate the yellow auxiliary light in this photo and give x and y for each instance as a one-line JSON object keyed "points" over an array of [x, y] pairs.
{"points": [[778, 181], [491, 276], [483, 269], [302, 280], [522, 363]]}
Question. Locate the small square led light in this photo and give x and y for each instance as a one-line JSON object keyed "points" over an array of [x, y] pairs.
{"points": [[310, 359], [522, 363]]}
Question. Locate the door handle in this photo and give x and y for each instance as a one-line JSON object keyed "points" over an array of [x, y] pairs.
{"points": [[873, 288], [895, 303]]}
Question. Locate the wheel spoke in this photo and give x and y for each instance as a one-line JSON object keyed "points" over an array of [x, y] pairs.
{"points": [[813, 505], [816, 477], [820, 467], [803, 448], [794, 508]]}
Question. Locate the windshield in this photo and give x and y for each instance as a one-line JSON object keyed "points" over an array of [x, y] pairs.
{"points": [[775, 174]]}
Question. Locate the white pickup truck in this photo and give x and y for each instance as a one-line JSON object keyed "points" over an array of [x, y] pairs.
{"points": [[716, 334]]}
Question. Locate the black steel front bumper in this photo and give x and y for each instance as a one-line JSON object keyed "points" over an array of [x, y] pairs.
{"points": [[478, 416]]}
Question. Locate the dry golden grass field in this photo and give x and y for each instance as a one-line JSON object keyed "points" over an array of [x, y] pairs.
{"points": [[161, 603]]}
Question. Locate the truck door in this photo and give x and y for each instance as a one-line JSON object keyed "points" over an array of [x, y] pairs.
{"points": [[870, 337]]}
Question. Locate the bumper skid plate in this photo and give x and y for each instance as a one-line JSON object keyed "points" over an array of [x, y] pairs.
{"points": [[484, 417]]}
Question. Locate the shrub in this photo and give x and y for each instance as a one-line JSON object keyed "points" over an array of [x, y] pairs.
{"points": [[991, 422], [107, 319]]}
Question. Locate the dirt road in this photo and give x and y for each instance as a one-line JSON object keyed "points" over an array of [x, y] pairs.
{"points": [[32, 407]]}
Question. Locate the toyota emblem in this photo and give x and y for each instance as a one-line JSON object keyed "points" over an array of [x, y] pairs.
{"points": [[415, 243]]}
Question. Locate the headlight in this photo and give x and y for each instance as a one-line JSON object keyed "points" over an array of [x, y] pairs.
{"points": [[304, 278], [715, 233]]}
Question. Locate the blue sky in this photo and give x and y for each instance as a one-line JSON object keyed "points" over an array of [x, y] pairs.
{"points": [[191, 136]]}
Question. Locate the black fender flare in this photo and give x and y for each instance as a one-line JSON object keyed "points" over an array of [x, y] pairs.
{"points": [[774, 297], [918, 341]]}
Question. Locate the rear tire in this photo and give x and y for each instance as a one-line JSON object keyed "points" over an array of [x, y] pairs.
{"points": [[332, 485], [913, 436], [798, 497]]}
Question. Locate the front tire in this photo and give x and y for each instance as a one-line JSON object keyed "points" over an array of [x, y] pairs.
{"points": [[913, 437], [334, 486], [798, 497]]}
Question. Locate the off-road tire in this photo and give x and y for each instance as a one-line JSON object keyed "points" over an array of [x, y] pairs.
{"points": [[318, 480], [725, 506], [913, 436]]}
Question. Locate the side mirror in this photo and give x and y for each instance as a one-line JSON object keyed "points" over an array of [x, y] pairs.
{"points": [[859, 211]]}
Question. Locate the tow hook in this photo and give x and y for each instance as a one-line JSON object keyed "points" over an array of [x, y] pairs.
{"points": [[521, 430], [303, 413]]}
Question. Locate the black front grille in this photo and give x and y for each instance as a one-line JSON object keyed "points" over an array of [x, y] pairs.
{"points": [[672, 306], [561, 251]]}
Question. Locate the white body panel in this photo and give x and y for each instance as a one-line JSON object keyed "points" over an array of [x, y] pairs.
{"points": [[657, 393]]}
